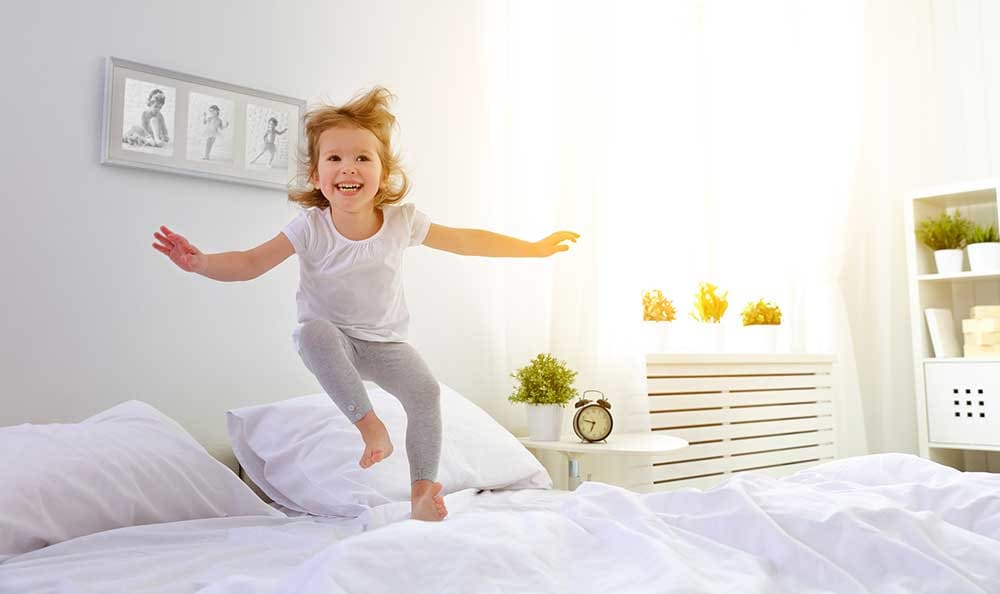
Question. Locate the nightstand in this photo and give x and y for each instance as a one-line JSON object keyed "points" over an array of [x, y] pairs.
{"points": [[619, 444]]}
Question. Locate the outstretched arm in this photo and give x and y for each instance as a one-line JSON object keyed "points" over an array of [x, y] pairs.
{"points": [[228, 266], [477, 242]]}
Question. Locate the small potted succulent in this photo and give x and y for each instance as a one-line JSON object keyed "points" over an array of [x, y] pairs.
{"points": [[983, 245], [657, 313], [710, 307], [760, 326], [545, 385], [946, 235]]}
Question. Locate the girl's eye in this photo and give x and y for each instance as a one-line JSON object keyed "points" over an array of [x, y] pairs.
{"points": [[333, 158], [362, 158]]}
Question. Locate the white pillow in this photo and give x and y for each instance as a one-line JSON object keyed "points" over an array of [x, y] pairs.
{"points": [[303, 453], [126, 466]]}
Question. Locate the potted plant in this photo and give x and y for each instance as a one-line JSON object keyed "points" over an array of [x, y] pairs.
{"points": [[946, 235], [983, 245], [657, 313], [710, 307], [545, 385], [760, 325]]}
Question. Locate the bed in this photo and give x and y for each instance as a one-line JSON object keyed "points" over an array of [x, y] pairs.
{"points": [[880, 523]]}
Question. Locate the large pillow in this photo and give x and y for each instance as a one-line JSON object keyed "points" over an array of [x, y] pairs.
{"points": [[126, 466], [303, 453]]}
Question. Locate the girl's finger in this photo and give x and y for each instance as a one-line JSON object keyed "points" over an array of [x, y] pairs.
{"points": [[162, 239]]}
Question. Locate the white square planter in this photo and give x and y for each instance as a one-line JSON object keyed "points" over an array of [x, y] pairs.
{"points": [[948, 261], [544, 421], [760, 338], [984, 256]]}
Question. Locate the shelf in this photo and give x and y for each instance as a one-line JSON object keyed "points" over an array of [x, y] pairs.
{"points": [[967, 275], [939, 437], [959, 195], [961, 359]]}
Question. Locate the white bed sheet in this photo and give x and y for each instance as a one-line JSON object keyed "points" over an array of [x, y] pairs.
{"points": [[889, 523]]}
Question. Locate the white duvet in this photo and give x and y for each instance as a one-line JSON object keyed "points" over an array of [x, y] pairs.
{"points": [[887, 523]]}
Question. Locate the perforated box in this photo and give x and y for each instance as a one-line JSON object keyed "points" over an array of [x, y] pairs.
{"points": [[963, 402]]}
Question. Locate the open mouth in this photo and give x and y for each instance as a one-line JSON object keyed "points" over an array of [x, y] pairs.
{"points": [[349, 187]]}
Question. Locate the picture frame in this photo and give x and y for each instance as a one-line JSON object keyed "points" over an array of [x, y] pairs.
{"points": [[162, 120]]}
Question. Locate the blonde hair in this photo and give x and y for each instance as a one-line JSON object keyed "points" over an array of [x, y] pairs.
{"points": [[369, 111]]}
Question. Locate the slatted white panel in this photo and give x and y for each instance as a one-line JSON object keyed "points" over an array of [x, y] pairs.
{"points": [[767, 413]]}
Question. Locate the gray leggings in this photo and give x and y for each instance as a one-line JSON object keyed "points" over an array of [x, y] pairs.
{"points": [[341, 362]]}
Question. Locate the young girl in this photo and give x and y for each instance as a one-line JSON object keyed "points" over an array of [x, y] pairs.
{"points": [[152, 123], [352, 315], [270, 137], [214, 125]]}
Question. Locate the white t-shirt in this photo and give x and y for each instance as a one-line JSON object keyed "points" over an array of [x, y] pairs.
{"points": [[357, 285]]}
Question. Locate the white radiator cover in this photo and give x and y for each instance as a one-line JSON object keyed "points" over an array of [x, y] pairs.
{"points": [[767, 413]]}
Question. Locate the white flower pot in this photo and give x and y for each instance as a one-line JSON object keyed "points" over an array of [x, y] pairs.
{"points": [[984, 256], [760, 338], [707, 338], [544, 421], [948, 261], [656, 336]]}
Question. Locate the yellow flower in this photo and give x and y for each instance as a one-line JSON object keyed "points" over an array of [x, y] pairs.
{"points": [[761, 312], [656, 307]]}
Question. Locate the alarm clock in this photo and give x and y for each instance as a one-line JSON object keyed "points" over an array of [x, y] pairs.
{"points": [[592, 421]]}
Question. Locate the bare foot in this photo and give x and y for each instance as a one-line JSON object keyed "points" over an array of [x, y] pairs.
{"points": [[378, 447], [426, 502]]}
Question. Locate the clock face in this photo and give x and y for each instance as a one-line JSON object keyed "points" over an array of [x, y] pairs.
{"points": [[593, 423]]}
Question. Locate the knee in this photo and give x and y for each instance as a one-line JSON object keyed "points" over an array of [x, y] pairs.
{"points": [[315, 334]]}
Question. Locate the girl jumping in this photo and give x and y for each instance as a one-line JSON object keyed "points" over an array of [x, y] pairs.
{"points": [[353, 319]]}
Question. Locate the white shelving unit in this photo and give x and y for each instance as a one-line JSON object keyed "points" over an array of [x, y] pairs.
{"points": [[957, 399]]}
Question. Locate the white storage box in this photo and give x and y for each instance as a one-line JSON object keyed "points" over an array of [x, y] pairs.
{"points": [[963, 402]]}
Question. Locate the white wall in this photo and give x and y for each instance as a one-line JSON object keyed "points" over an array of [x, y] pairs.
{"points": [[92, 315]]}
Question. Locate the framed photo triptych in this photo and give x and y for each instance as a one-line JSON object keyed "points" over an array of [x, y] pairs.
{"points": [[167, 121]]}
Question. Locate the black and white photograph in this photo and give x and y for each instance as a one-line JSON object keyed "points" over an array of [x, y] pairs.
{"points": [[221, 131], [209, 128], [148, 117], [267, 145]]}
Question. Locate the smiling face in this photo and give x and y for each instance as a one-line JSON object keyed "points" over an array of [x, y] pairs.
{"points": [[348, 170]]}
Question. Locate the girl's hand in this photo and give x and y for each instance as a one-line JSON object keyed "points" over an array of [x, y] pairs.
{"points": [[554, 243], [177, 248]]}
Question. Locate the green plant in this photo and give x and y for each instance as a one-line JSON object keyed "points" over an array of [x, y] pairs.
{"points": [[761, 313], [946, 232], [545, 380], [979, 234]]}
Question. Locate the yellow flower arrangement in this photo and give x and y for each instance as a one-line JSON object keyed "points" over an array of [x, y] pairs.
{"points": [[761, 313], [709, 306], [657, 308]]}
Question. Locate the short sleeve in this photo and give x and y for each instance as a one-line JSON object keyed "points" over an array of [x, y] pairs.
{"points": [[299, 232], [420, 223]]}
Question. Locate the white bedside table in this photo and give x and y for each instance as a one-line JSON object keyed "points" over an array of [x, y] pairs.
{"points": [[619, 444]]}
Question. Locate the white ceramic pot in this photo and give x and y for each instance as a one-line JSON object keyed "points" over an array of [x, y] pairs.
{"points": [[708, 338], [544, 421], [656, 336], [760, 338], [948, 261], [984, 256]]}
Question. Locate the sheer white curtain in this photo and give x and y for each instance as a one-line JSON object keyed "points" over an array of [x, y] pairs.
{"points": [[686, 141]]}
